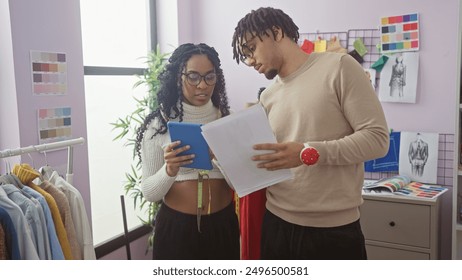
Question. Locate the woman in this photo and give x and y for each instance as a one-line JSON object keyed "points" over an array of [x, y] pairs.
{"points": [[192, 90]]}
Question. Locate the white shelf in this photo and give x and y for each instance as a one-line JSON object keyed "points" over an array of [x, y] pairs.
{"points": [[459, 227], [459, 172]]}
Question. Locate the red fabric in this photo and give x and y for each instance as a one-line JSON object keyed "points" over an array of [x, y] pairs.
{"points": [[251, 210]]}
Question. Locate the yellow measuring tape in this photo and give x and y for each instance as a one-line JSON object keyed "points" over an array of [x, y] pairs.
{"points": [[202, 174]]}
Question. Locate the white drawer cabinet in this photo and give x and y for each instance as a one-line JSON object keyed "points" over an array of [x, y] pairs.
{"points": [[397, 227]]}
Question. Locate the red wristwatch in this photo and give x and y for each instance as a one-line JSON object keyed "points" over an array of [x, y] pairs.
{"points": [[309, 155]]}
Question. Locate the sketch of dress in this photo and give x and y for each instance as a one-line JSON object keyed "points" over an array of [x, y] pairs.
{"points": [[398, 78], [418, 155]]}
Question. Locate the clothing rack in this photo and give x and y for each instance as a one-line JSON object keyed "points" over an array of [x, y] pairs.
{"points": [[49, 147]]}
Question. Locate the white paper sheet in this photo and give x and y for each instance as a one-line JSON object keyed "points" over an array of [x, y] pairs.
{"points": [[231, 139]]}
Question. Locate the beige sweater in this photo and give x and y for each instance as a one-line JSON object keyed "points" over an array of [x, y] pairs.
{"points": [[329, 103], [65, 210]]}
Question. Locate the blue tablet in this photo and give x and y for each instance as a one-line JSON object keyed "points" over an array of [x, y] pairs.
{"points": [[191, 134]]}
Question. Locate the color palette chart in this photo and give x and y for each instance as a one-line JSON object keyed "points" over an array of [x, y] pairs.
{"points": [[49, 73], [400, 33], [54, 124]]}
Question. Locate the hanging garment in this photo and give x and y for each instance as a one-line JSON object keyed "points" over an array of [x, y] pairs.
{"points": [[27, 174], [35, 221], [27, 249], [251, 208], [79, 215], [11, 236], [3, 251], [56, 250], [65, 211]]}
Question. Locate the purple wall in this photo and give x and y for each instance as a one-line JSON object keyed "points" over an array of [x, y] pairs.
{"points": [[54, 25], [435, 109], [50, 26], [9, 125]]}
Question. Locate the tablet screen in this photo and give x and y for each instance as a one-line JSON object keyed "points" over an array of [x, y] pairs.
{"points": [[191, 134]]}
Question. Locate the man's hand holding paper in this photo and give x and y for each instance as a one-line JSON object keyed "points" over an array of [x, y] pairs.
{"points": [[232, 140], [285, 155]]}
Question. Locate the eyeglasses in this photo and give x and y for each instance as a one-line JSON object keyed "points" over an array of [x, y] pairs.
{"points": [[195, 78], [247, 54]]}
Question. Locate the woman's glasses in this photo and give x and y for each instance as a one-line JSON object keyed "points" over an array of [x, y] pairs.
{"points": [[195, 78]]}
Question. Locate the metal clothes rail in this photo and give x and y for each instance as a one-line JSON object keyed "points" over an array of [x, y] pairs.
{"points": [[49, 147]]}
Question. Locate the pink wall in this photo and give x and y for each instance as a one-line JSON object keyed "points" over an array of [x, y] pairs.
{"points": [[9, 125], [54, 25], [51, 26], [435, 109]]}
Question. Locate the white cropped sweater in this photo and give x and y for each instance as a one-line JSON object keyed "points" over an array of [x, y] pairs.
{"points": [[155, 182]]}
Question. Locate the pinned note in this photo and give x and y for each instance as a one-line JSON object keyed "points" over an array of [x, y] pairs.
{"points": [[356, 56], [334, 46], [307, 46], [320, 45], [360, 47], [380, 63]]}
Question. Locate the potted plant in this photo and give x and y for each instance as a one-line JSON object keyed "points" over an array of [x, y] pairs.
{"points": [[127, 127]]}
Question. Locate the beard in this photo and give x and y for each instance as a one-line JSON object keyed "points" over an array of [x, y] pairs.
{"points": [[271, 74]]}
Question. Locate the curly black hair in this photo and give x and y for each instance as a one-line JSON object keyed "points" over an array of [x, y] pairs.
{"points": [[170, 91], [258, 22]]}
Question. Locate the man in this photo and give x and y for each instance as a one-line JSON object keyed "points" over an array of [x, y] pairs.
{"points": [[327, 121]]}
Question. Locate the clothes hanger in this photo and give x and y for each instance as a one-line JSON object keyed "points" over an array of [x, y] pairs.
{"points": [[46, 170], [25, 171], [6, 171], [32, 160], [8, 167], [10, 178], [46, 159]]}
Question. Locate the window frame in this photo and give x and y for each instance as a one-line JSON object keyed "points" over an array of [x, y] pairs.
{"points": [[123, 239]]}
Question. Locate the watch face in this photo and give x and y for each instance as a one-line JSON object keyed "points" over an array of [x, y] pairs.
{"points": [[309, 156]]}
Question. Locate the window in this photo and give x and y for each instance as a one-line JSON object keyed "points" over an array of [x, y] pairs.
{"points": [[116, 37]]}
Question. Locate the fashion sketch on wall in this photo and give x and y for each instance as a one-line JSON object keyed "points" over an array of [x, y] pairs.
{"points": [[398, 79], [418, 157]]}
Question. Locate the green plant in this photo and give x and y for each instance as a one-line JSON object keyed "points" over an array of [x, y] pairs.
{"points": [[127, 127]]}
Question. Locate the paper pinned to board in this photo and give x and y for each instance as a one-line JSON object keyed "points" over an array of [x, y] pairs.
{"points": [[231, 139]]}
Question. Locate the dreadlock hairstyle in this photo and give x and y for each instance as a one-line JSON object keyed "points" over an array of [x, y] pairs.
{"points": [[170, 94], [258, 22]]}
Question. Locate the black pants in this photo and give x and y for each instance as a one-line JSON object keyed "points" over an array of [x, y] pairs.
{"points": [[176, 236], [286, 241]]}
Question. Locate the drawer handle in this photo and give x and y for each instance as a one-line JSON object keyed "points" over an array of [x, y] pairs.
{"points": [[392, 224]]}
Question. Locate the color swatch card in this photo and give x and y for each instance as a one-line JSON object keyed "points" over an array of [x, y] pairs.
{"points": [[400, 33], [49, 73], [54, 124]]}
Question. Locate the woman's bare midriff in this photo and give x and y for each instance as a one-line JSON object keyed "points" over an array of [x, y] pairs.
{"points": [[182, 196]]}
